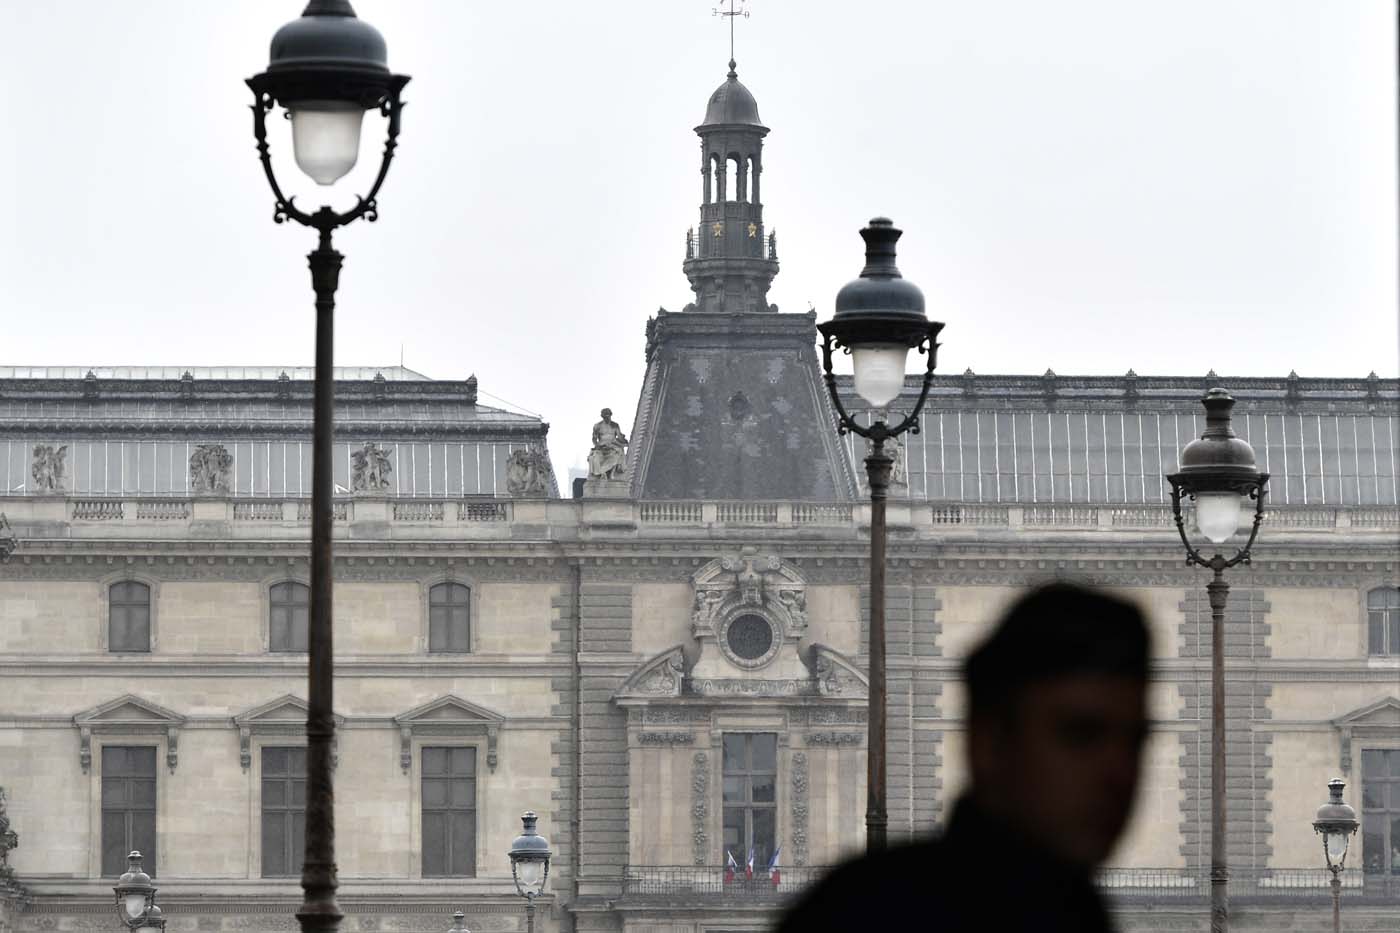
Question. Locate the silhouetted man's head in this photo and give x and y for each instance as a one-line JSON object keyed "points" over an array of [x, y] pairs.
{"points": [[1057, 719]]}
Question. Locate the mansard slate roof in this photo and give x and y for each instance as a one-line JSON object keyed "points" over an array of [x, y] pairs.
{"points": [[130, 431], [1107, 439]]}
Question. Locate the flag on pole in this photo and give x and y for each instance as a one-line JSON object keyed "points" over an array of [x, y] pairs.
{"points": [[773, 871], [748, 866], [730, 867]]}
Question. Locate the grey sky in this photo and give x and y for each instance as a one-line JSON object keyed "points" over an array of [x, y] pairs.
{"points": [[1082, 185]]}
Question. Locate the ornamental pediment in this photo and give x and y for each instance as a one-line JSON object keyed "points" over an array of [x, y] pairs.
{"points": [[1383, 713], [660, 677], [128, 710], [451, 716], [449, 709], [284, 716], [128, 715]]}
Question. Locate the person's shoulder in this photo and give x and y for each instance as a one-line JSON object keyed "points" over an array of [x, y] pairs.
{"points": [[856, 889]]}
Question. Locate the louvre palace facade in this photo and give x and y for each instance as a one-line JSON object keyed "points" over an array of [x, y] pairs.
{"points": [[670, 669]]}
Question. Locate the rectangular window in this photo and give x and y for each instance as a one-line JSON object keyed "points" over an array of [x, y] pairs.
{"points": [[128, 806], [129, 617], [750, 804], [449, 618], [1380, 811], [449, 812], [283, 811]]}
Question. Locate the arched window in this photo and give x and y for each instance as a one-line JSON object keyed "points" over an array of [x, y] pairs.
{"points": [[1383, 620], [731, 178], [129, 616], [748, 180], [288, 615], [449, 618]]}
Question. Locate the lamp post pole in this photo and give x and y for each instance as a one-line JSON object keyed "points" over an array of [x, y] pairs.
{"points": [[1218, 473], [879, 318], [327, 69]]}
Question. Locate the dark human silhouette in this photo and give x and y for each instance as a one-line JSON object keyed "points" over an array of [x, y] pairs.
{"points": [[1056, 724]]}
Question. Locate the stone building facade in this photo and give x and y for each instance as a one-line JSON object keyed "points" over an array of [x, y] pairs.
{"points": [[672, 676]]}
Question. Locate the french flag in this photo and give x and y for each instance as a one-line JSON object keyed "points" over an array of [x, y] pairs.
{"points": [[773, 871], [748, 866], [730, 867]]}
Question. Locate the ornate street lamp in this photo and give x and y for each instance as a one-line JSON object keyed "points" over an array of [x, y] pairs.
{"points": [[529, 865], [459, 923], [879, 318], [1337, 823], [326, 69], [1218, 474], [136, 898]]}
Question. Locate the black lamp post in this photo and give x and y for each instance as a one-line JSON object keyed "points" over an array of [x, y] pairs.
{"points": [[1337, 823], [1218, 473], [879, 318], [136, 898], [529, 865], [326, 69]]}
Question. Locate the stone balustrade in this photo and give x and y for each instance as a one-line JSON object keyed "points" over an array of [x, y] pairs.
{"points": [[42, 516]]}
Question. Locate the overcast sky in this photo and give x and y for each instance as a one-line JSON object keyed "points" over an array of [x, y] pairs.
{"points": [[1087, 185]]}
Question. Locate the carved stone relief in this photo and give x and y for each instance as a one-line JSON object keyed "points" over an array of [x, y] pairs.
{"points": [[370, 469], [528, 472], [210, 465], [49, 468], [700, 808], [799, 808]]}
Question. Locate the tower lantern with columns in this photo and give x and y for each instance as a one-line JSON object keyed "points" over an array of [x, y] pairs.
{"points": [[732, 263]]}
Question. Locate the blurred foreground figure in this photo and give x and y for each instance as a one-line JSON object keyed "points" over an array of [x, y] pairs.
{"points": [[1056, 724]]}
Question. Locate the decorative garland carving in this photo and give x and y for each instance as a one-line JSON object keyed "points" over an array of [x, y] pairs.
{"points": [[665, 738], [799, 808], [834, 738], [700, 808]]}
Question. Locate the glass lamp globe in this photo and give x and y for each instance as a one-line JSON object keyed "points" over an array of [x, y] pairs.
{"points": [[154, 922], [530, 873], [879, 372], [326, 138], [135, 905], [1337, 842], [1219, 514]]}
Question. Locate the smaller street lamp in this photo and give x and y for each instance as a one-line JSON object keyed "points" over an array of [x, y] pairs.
{"points": [[136, 898], [529, 865], [1337, 823], [459, 923]]}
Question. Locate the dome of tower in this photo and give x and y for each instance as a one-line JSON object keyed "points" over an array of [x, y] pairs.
{"points": [[731, 103]]}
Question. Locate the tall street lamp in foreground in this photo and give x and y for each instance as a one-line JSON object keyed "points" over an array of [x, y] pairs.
{"points": [[529, 865], [879, 318], [326, 69], [1337, 823], [1218, 474], [136, 898]]}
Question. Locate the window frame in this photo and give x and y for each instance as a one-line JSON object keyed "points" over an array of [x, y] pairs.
{"points": [[129, 841], [261, 811], [94, 775], [749, 805], [268, 606], [1392, 811], [425, 588], [1390, 622], [415, 776], [104, 602], [449, 586]]}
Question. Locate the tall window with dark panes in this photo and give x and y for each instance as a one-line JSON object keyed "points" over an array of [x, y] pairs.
{"points": [[283, 811], [750, 805], [1383, 621], [128, 806], [1380, 811], [287, 616], [129, 616], [449, 618], [449, 812]]}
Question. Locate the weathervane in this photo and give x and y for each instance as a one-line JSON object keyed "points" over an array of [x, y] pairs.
{"points": [[735, 9]]}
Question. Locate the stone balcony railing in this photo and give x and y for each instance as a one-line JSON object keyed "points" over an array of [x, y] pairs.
{"points": [[409, 518], [1301, 886]]}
